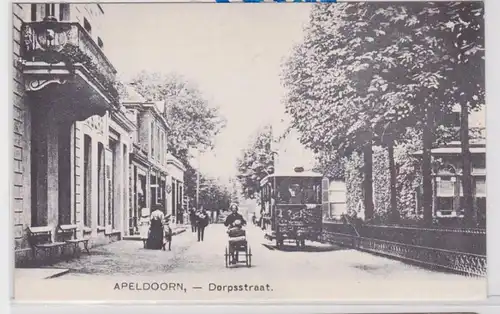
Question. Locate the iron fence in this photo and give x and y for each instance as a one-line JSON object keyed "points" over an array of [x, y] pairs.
{"points": [[459, 250]]}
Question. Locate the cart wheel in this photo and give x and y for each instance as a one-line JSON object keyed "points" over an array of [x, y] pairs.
{"points": [[249, 257], [226, 257]]}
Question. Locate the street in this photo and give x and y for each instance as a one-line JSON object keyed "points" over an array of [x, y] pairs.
{"points": [[120, 269]]}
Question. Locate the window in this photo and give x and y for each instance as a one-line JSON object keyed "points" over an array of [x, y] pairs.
{"points": [[452, 119], [480, 190], [445, 186], [162, 145], [42, 10], [158, 151], [152, 139], [100, 43], [100, 185], [50, 9], [445, 204], [64, 12], [479, 162], [299, 191], [154, 194], [33, 12], [87, 184], [87, 26]]}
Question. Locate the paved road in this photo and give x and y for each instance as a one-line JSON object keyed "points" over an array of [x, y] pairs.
{"points": [[319, 272]]}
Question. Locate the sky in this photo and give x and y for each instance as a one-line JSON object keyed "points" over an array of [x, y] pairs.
{"points": [[232, 52]]}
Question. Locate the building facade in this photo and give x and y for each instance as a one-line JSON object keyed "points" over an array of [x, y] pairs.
{"points": [[448, 196], [149, 179], [176, 198], [71, 136]]}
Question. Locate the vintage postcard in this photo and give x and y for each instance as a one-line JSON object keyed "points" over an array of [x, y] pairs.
{"points": [[265, 151]]}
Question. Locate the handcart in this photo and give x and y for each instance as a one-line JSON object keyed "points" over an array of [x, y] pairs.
{"points": [[237, 245]]}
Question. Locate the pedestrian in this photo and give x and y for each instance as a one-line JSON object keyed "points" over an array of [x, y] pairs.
{"points": [[231, 218], [217, 213], [156, 232], [167, 234], [202, 219]]}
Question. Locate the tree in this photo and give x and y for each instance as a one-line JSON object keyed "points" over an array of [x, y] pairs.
{"points": [[367, 71], [255, 162], [467, 25], [213, 196], [193, 123]]}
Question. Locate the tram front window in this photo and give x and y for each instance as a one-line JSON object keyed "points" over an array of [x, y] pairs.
{"points": [[299, 191]]}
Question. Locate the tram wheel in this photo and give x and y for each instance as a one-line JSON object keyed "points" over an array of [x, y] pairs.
{"points": [[226, 257], [249, 257]]}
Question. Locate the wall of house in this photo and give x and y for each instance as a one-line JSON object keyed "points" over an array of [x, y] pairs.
{"points": [[95, 127], [21, 114], [144, 120], [93, 13]]}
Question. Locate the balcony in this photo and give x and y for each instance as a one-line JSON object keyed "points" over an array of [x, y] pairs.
{"points": [[60, 59]]}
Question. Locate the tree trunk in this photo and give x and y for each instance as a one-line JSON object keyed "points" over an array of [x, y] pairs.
{"points": [[428, 139], [392, 170], [470, 214], [368, 180]]}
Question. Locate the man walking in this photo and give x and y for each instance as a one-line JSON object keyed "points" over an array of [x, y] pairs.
{"points": [[192, 219], [202, 223]]}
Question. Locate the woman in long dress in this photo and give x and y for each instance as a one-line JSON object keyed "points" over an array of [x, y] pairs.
{"points": [[155, 239]]}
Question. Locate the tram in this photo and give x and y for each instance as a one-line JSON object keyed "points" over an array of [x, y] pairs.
{"points": [[291, 207]]}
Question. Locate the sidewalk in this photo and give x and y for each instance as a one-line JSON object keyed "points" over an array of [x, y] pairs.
{"points": [[175, 231]]}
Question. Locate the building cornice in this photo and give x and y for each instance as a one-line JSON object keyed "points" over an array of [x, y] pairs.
{"points": [[172, 160], [121, 119], [147, 106]]}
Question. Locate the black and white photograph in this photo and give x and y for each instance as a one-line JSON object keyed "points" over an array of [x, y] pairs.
{"points": [[248, 151]]}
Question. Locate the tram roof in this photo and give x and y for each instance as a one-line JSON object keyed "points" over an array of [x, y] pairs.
{"points": [[292, 174]]}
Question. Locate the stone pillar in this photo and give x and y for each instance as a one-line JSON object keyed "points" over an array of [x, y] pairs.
{"points": [[119, 184], [181, 199], [126, 190], [147, 192], [94, 199], [65, 172]]}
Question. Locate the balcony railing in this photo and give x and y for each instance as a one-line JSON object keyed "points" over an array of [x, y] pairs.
{"points": [[55, 42]]}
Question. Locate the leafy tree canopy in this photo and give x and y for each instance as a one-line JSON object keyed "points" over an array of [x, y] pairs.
{"points": [[255, 162], [370, 70], [194, 124]]}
